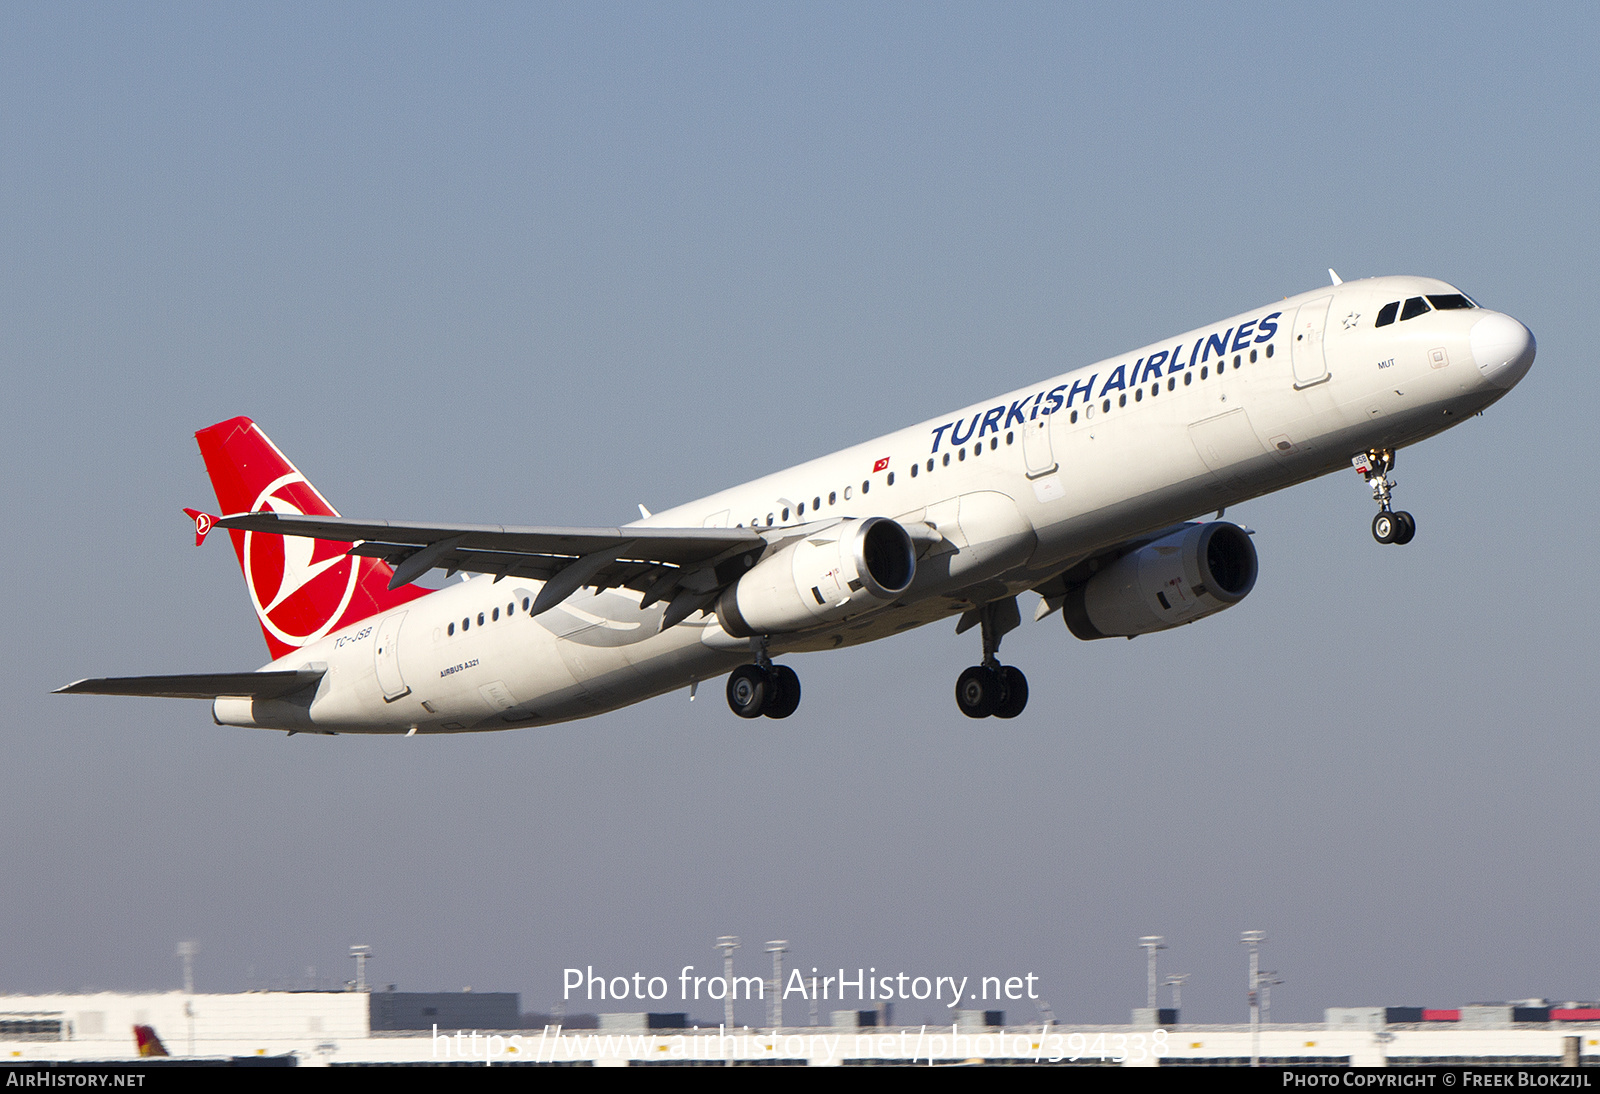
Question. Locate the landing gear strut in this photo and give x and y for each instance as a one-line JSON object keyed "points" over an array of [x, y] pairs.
{"points": [[1390, 525], [763, 688], [992, 689]]}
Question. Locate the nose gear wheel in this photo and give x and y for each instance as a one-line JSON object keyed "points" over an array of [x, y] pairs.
{"points": [[1390, 525]]}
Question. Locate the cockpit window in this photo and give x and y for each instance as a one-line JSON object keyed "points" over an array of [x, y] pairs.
{"points": [[1387, 313], [1414, 307], [1450, 302]]}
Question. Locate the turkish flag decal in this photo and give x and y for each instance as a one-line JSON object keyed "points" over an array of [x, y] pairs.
{"points": [[881, 465]]}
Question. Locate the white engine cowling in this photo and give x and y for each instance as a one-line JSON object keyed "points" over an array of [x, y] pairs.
{"points": [[1185, 576], [852, 567]]}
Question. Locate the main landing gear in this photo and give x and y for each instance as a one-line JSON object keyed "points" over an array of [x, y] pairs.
{"points": [[763, 688], [992, 689], [1390, 525]]}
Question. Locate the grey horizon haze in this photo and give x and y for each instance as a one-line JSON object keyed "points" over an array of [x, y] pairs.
{"points": [[534, 264]]}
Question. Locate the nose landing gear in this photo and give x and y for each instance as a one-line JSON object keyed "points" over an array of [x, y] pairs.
{"points": [[1390, 525], [992, 689], [763, 688]]}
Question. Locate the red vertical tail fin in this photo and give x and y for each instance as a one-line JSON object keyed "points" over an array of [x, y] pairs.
{"points": [[301, 588], [147, 1041]]}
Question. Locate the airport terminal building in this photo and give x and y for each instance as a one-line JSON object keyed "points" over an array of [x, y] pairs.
{"points": [[355, 1028]]}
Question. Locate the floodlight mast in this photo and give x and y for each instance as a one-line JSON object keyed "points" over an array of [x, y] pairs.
{"points": [[1151, 943], [361, 954], [1175, 982], [727, 944], [1253, 939], [186, 950], [777, 948]]}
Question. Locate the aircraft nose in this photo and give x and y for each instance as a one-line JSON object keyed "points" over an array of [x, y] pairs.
{"points": [[1503, 349]]}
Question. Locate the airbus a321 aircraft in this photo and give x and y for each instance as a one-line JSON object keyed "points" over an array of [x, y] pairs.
{"points": [[1084, 488]]}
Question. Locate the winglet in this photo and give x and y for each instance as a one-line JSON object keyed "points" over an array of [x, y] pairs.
{"points": [[1337, 280], [203, 523]]}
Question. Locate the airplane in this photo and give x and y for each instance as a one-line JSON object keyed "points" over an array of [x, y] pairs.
{"points": [[147, 1042], [1089, 489]]}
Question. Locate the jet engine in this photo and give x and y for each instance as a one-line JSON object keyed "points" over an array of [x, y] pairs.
{"points": [[852, 567], [1175, 580]]}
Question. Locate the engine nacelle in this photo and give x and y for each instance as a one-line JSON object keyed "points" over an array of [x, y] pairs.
{"points": [[1186, 576], [841, 571]]}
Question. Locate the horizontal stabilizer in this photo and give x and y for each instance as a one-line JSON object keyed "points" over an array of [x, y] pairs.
{"points": [[201, 685]]}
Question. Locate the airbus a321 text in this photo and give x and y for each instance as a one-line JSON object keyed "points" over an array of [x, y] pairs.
{"points": [[1084, 488]]}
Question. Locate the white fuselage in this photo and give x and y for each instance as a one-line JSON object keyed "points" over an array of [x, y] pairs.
{"points": [[1020, 487]]}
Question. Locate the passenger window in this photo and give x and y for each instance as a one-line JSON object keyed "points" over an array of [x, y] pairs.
{"points": [[1172, 383], [786, 514], [866, 484], [1387, 313], [890, 479], [1414, 307], [1450, 302], [1252, 357], [847, 493], [1138, 396], [496, 616], [915, 468], [524, 603], [451, 629], [466, 625], [1106, 406], [1203, 372], [1188, 378], [947, 459], [1236, 360], [480, 619], [833, 497], [1269, 349], [962, 454], [770, 521], [1074, 418], [816, 503], [994, 443], [930, 463], [800, 510], [1008, 437], [977, 450]]}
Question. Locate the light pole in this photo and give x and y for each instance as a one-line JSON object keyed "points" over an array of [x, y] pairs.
{"points": [[361, 954], [1253, 939], [186, 951], [1268, 981], [1151, 943], [777, 948], [727, 944], [1175, 982]]}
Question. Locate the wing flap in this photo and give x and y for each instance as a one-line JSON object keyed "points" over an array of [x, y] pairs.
{"points": [[200, 685]]}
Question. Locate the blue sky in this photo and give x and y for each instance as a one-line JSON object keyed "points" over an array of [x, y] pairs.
{"points": [[535, 265]]}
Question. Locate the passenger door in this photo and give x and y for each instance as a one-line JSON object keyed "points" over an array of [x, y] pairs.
{"points": [[387, 657], [1305, 344]]}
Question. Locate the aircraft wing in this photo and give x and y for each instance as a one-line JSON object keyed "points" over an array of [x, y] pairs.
{"points": [[203, 685], [686, 566]]}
